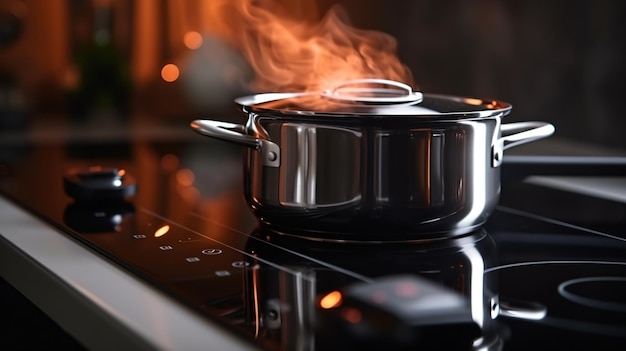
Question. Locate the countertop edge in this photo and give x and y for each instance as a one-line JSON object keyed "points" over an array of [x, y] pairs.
{"points": [[96, 302]]}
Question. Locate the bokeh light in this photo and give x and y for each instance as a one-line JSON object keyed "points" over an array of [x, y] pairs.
{"points": [[192, 40], [170, 72]]}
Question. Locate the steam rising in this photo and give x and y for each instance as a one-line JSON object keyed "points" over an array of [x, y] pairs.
{"points": [[291, 48]]}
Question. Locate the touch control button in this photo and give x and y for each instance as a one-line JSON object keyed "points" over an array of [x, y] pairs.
{"points": [[211, 252], [165, 247], [240, 264]]}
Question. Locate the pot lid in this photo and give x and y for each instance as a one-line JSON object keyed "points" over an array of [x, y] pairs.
{"points": [[373, 98]]}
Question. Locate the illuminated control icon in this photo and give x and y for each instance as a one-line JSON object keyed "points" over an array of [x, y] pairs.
{"points": [[240, 264], [211, 252]]}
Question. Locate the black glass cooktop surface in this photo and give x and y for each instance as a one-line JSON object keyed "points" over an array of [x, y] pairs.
{"points": [[547, 271]]}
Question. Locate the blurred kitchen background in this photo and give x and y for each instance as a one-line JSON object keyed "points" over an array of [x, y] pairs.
{"points": [[107, 63]]}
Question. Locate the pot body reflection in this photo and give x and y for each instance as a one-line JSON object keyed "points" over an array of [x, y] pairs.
{"points": [[357, 179], [284, 303]]}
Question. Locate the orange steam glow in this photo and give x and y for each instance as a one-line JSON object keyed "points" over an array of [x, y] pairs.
{"points": [[292, 48]]}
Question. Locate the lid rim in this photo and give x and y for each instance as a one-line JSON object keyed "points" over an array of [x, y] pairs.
{"points": [[421, 111], [451, 117]]}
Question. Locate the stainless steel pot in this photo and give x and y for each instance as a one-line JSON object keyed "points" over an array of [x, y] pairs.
{"points": [[373, 163]]}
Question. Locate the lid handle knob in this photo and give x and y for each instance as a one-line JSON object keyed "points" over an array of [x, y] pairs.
{"points": [[353, 91]]}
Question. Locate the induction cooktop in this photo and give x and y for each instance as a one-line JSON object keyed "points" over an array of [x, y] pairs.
{"points": [[547, 271]]}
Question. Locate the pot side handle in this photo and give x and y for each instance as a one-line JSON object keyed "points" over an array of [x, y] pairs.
{"points": [[235, 133], [519, 133], [527, 310]]}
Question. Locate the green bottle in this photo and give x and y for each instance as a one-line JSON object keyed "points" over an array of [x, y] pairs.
{"points": [[104, 83]]}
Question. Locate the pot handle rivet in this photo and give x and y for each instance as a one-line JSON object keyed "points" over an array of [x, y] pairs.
{"points": [[271, 156]]}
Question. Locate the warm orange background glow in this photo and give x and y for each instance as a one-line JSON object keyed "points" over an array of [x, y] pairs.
{"points": [[170, 72], [352, 315], [192, 40], [290, 45]]}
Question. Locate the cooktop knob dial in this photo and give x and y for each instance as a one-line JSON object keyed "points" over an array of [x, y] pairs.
{"points": [[399, 312], [99, 184]]}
